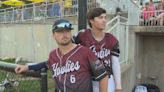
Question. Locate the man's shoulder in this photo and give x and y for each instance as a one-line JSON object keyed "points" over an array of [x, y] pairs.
{"points": [[110, 36], [81, 35], [84, 31], [83, 49], [53, 51]]}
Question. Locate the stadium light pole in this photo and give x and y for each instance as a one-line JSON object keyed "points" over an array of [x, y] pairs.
{"points": [[82, 14]]}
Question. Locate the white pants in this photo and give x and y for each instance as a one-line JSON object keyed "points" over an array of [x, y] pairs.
{"points": [[111, 85]]}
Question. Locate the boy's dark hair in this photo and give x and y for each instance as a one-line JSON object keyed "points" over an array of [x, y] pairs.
{"points": [[95, 12]]}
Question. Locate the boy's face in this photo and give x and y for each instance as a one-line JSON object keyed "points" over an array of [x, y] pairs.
{"points": [[99, 22], [63, 37]]}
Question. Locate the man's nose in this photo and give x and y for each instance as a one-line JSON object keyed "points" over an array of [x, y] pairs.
{"points": [[104, 20]]}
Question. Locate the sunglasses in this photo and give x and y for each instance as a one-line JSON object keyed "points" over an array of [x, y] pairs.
{"points": [[64, 25]]}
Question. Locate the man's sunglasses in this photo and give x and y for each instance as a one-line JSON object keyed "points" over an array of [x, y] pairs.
{"points": [[64, 25]]}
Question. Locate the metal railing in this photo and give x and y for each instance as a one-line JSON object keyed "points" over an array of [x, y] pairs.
{"points": [[119, 28], [31, 81], [42, 11], [37, 11], [152, 18]]}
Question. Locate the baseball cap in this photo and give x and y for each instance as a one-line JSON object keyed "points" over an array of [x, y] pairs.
{"points": [[61, 24]]}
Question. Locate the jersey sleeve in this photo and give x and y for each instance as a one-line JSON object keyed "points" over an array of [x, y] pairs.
{"points": [[97, 67], [38, 66], [115, 48]]}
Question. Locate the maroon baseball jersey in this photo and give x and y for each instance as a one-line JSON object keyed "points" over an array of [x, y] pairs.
{"points": [[103, 49], [73, 72]]}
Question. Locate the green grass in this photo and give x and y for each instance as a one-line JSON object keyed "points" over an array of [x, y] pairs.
{"points": [[8, 60], [51, 82], [29, 86], [25, 86]]}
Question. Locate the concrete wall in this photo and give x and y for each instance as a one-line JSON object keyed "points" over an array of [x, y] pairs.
{"points": [[129, 69], [146, 55], [152, 57], [32, 42]]}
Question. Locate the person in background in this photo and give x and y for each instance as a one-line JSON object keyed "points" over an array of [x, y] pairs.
{"points": [[104, 45], [148, 15], [160, 14]]}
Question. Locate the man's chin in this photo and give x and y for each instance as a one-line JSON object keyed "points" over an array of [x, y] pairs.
{"points": [[102, 29], [65, 44]]}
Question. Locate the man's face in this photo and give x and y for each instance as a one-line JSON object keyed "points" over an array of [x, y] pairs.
{"points": [[99, 22], [63, 37]]}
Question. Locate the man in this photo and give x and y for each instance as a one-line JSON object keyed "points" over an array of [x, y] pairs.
{"points": [[104, 45], [73, 66]]}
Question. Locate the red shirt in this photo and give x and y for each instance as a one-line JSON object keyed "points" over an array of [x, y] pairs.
{"points": [[103, 49], [72, 72]]}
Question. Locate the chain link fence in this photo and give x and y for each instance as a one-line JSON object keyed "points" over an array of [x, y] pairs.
{"points": [[31, 81], [10, 82]]}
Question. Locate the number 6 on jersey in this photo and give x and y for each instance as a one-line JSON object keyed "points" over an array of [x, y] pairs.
{"points": [[72, 78]]}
